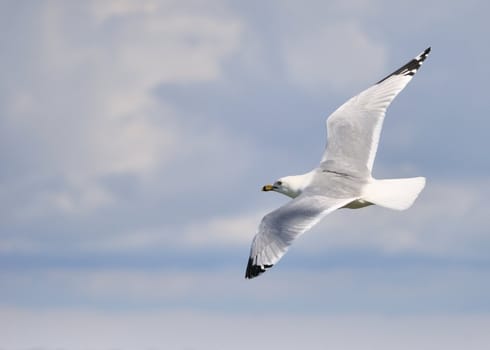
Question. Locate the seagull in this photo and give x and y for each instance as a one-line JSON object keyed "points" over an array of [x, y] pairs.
{"points": [[343, 178]]}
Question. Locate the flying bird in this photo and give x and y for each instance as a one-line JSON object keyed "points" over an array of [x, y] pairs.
{"points": [[343, 178]]}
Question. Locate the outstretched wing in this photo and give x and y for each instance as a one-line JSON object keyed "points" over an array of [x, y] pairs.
{"points": [[279, 228], [353, 130]]}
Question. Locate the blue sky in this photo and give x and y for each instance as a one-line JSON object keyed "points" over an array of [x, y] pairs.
{"points": [[135, 137]]}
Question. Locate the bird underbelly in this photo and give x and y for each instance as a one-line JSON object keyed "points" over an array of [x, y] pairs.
{"points": [[357, 204]]}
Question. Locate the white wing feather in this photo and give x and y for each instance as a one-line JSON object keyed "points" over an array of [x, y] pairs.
{"points": [[279, 228], [353, 130]]}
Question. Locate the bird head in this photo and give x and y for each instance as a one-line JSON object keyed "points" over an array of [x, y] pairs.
{"points": [[289, 186]]}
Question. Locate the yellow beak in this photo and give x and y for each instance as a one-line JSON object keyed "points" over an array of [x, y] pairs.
{"points": [[267, 188]]}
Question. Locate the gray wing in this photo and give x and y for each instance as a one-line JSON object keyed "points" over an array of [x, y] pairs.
{"points": [[279, 228], [353, 130]]}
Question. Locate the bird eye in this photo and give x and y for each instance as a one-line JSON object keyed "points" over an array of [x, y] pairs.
{"points": [[279, 183]]}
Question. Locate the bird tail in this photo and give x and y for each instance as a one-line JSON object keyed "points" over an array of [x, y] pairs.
{"points": [[398, 194]]}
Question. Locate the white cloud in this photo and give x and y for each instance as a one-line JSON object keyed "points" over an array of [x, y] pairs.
{"points": [[235, 230], [224, 231], [75, 329], [108, 9], [88, 109], [338, 56]]}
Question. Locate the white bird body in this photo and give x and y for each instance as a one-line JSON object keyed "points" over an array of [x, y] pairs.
{"points": [[343, 179]]}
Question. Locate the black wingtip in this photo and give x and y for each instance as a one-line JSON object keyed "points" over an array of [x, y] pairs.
{"points": [[254, 270], [421, 58], [410, 68]]}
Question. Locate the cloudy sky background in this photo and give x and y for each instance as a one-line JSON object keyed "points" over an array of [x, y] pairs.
{"points": [[135, 137]]}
